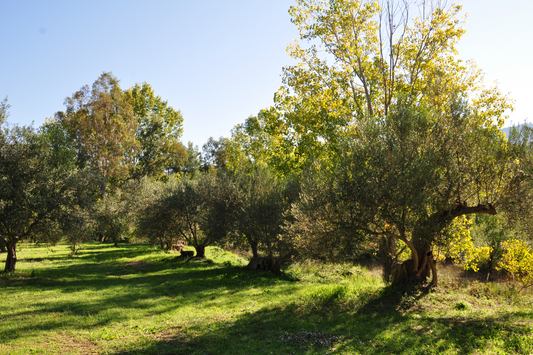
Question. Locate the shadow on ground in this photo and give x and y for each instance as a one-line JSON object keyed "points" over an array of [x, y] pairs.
{"points": [[379, 326], [151, 287]]}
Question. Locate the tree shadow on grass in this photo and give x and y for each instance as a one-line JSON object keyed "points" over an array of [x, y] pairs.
{"points": [[112, 291], [378, 326], [368, 323], [91, 252]]}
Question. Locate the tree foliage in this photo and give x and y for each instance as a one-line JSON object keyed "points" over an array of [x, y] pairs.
{"points": [[193, 164], [101, 128], [159, 129], [38, 189], [360, 59], [518, 260], [4, 111], [408, 175], [264, 202], [197, 210], [214, 153]]}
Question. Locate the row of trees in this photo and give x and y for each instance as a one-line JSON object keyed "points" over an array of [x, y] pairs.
{"points": [[379, 138], [64, 179]]}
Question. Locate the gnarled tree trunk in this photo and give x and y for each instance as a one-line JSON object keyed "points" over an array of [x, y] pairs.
{"points": [[269, 263], [404, 272], [200, 251], [418, 269], [11, 259]]}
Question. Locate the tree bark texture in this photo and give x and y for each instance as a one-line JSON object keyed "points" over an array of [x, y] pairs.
{"points": [[417, 271], [405, 272], [11, 259], [387, 252], [200, 251]]}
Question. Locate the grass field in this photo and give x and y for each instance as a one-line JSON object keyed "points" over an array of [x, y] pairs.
{"points": [[139, 300]]}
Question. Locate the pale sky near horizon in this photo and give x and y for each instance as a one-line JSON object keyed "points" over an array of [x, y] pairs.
{"points": [[216, 61]]}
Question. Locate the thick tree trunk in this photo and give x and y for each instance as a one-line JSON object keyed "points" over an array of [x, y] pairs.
{"points": [[259, 263], [424, 268], [405, 272], [11, 259], [200, 251], [387, 253], [420, 244], [253, 244], [254, 250], [268, 263]]}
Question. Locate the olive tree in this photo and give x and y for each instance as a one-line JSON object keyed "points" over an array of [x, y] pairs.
{"points": [[406, 177], [199, 211], [37, 189], [264, 202]]}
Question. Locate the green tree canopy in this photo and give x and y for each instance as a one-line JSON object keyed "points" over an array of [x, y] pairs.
{"points": [[198, 210], [407, 176], [159, 129], [214, 153], [38, 189], [101, 128], [264, 202]]}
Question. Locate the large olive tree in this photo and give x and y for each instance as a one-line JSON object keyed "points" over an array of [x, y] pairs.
{"points": [[38, 186], [406, 177]]}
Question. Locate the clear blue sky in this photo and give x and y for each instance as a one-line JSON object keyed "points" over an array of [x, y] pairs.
{"points": [[216, 61]]}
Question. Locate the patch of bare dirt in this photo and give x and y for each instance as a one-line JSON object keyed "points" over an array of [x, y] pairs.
{"points": [[70, 345], [138, 264], [171, 335]]}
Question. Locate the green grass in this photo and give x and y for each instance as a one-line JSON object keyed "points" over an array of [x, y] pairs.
{"points": [[139, 300]]}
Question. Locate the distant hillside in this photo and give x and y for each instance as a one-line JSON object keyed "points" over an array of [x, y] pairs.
{"points": [[506, 129]]}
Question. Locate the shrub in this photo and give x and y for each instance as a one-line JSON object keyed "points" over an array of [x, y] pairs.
{"points": [[518, 260]]}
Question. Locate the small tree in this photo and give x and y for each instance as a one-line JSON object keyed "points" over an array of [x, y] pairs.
{"points": [[219, 205], [491, 232], [196, 210], [152, 221], [264, 204], [111, 221]]}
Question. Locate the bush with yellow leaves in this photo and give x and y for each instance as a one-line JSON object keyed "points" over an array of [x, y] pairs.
{"points": [[459, 246], [518, 260]]}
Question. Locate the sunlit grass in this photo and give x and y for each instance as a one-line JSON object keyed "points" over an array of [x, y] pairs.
{"points": [[139, 300]]}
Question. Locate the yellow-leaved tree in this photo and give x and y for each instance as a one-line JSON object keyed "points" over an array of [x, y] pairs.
{"points": [[360, 59]]}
